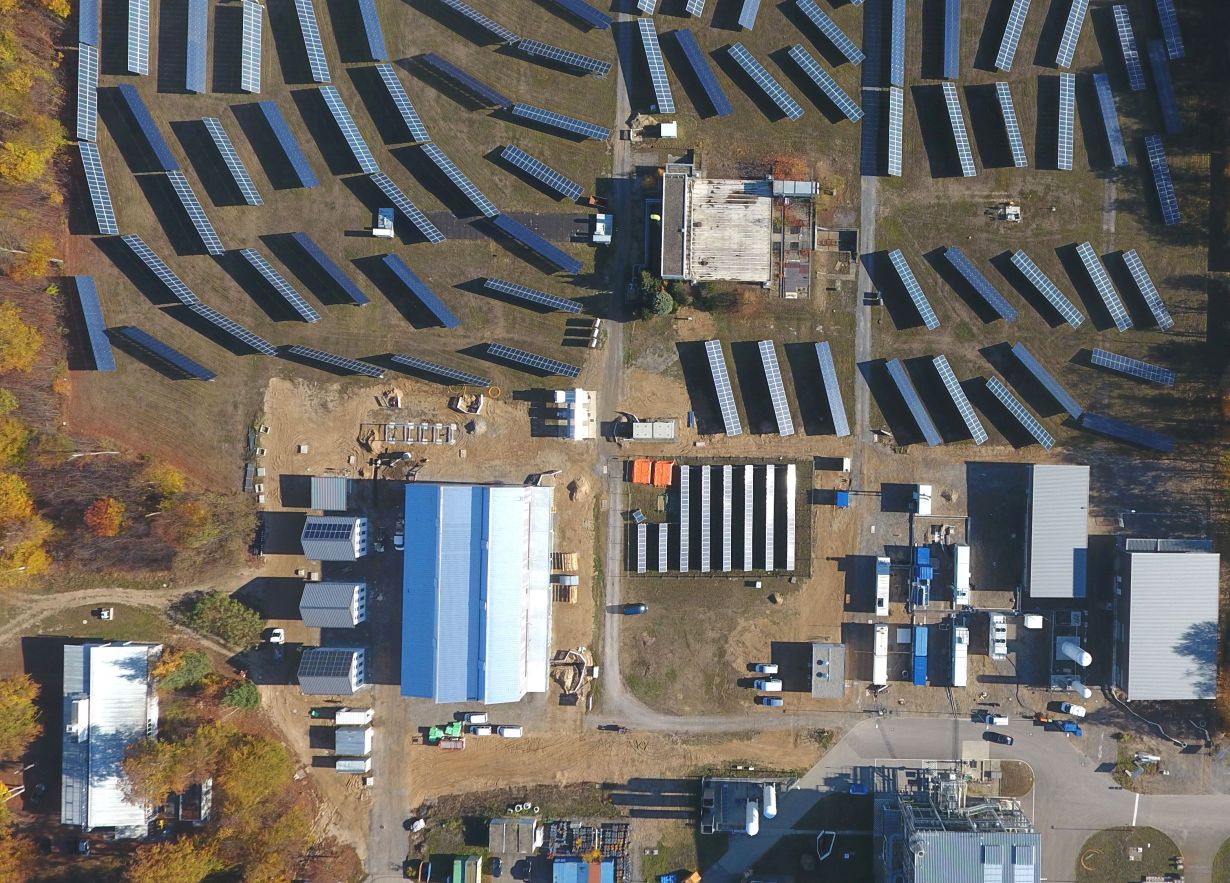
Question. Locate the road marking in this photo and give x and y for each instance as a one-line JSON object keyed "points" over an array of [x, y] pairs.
{"points": [[1135, 808]]}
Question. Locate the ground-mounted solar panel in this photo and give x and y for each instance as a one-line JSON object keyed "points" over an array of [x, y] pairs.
{"points": [[586, 13], [830, 30], [1071, 33], [239, 173], [980, 283], [475, 87], [429, 300], [350, 366], [1067, 121], [1012, 35], [913, 289], [657, 67], [422, 366], [896, 117], [372, 30], [825, 83], [1061, 396], [196, 215], [1127, 432], [290, 147], [1170, 29], [1110, 120], [149, 130], [1127, 45], [832, 389], [532, 361], [1162, 182], [198, 47], [664, 539], [95, 326], [1012, 128], [791, 489], [408, 209], [896, 44], [345, 122], [952, 39], [748, 13], [560, 121], [648, 7], [728, 493], [723, 389], [532, 295], [1101, 281], [706, 527], [331, 269], [703, 72], [749, 535], [233, 329], [960, 137], [770, 535], [1159, 64], [777, 389], [494, 28], [536, 49], [250, 47], [541, 172], [694, 8], [167, 356], [685, 517], [763, 79], [459, 180], [278, 283], [164, 274], [397, 93], [1131, 367], [308, 28], [1020, 412], [957, 394], [87, 22], [642, 546], [906, 389], [138, 37], [535, 243], [1047, 289], [1148, 291], [87, 92]]}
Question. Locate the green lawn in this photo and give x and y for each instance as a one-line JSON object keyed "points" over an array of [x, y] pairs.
{"points": [[1221, 864], [1104, 858], [129, 624]]}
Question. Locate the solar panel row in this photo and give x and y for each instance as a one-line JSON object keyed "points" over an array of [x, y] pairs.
{"points": [[239, 173], [925, 425], [703, 73], [649, 7], [773, 89], [441, 371], [1148, 291], [1127, 45], [1135, 435], [960, 138], [250, 49], [1101, 281], [198, 46], [777, 389], [153, 138], [345, 122], [1071, 33], [957, 394], [721, 385], [657, 67], [138, 37], [561, 122], [160, 352], [1047, 289], [234, 329], [1161, 179], [317, 63], [1011, 127], [279, 284], [582, 10], [952, 39], [532, 295], [164, 274], [1159, 64], [825, 83], [1061, 396], [1170, 28], [459, 180], [425, 296], [1019, 411], [831, 31], [747, 14], [566, 57], [331, 269], [541, 172], [896, 45], [664, 536], [87, 92], [685, 512], [913, 289], [290, 147], [1110, 120], [495, 29], [896, 116], [694, 8], [87, 22], [95, 326], [476, 87], [397, 93], [642, 546], [532, 361], [351, 366], [1131, 367], [1012, 35], [706, 501], [409, 210], [196, 215], [980, 283], [376, 49], [535, 243], [832, 389], [1067, 117]]}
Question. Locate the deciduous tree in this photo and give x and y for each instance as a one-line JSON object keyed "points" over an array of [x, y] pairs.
{"points": [[166, 481], [15, 501], [186, 860], [19, 342], [105, 517], [14, 437], [255, 768], [34, 263], [19, 724], [233, 621], [27, 151], [8, 402]]}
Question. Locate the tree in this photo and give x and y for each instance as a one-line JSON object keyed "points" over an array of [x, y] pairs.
{"points": [[34, 262], [21, 547], [663, 304], [177, 669], [19, 342], [186, 860], [14, 438], [680, 292], [166, 481], [188, 524], [8, 402], [27, 151], [60, 8], [224, 617], [16, 857], [243, 694], [154, 769], [15, 500], [649, 286], [105, 517], [19, 724], [251, 771]]}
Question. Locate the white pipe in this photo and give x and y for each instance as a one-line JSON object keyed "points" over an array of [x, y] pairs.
{"points": [[1078, 687]]}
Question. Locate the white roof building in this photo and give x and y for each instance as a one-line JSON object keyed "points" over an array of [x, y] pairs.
{"points": [[1058, 534], [579, 407]]}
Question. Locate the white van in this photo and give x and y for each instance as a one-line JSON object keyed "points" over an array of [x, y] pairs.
{"points": [[476, 717], [1074, 710], [769, 685], [766, 668], [480, 730], [995, 720], [511, 732]]}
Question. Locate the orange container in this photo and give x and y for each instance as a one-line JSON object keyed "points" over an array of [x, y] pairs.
{"points": [[641, 470], [662, 472]]}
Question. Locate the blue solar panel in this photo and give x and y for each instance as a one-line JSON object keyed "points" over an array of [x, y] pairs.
{"points": [[250, 47], [657, 67], [959, 399], [1110, 120], [586, 13], [532, 360], [831, 31], [541, 172], [960, 137], [1101, 281], [172, 358], [278, 283], [560, 121], [234, 329], [1160, 66], [896, 117], [422, 293], [1144, 284], [754, 69], [290, 147], [1012, 35], [731, 424], [832, 389], [1061, 396], [913, 289], [952, 39], [153, 138], [311, 41], [1131, 367], [777, 389], [1012, 128], [397, 92], [476, 87], [700, 68], [408, 209], [902, 381], [239, 173], [449, 169], [1067, 119], [1170, 29], [351, 366], [1071, 33], [979, 283], [332, 270], [87, 92], [747, 15], [1161, 179], [345, 122], [532, 295], [896, 46], [376, 50], [198, 46], [87, 22], [1047, 289], [138, 37], [95, 326], [422, 366], [164, 274], [536, 244], [1127, 45], [497, 30], [536, 49], [100, 193], [1020, 412], [196, 215], [695, 8], [1126, 432], [649, 7], [825, 83]]}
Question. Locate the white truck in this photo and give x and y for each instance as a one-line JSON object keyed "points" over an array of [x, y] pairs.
{"points": [[879, 665], [883, 571], [960, 656]]}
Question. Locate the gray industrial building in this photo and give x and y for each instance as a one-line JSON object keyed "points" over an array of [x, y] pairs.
{"points": [[1166, 619], [333, 605], [334, 538], [1057, 537], [332, 671]]}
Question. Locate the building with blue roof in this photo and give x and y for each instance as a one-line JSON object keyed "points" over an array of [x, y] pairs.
{"points": [[572, 869]]}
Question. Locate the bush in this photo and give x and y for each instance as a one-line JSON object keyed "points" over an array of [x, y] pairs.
{"points": [[8, 402], [14, 439], [19, 342], [680, 292], [15, 501], [166, 481], [243, 694], [234, 622], [178, 670], [19, 724], [105, 517], [663, 304]]}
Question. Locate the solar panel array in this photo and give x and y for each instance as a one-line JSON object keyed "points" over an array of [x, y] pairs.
{"points": [[352, 366], [198, 46], [664, 538], [896, 45], [1097, 274], [1170, 28], [311, 41], [537, 49], [87, 22], [560, 121], [1144, 284], [138, 37], [95, 325], [706, 502], [647, 6], [87, 92], [1067, 116], [159, 351], [913, 289], [409, 210], [1127, 45], [896, 117], [397, 93], [902, 381], [685, 514], [250, 51], [747, 15], [1161, 179], [476, 87], [957, 394], [777, 389], [239, 173], [1132, 367], [694, 8], [332, 270], [952, 39], [657, 67], [425, 296], [825, 83], [721, 384], [532, 295], [956, 119], [279, 284], [541, 172], [1110, 120], [495, 29], [1061, 396], [769, 487], [700, 68], [1012, 35], [1047, 289], [748, 516], [765, 81], [100, 193], [728, 477], [426, 367], [980, 283], [1127, 432], [1011, 127], [1018, 410], [536, 244], [791, 490], [1160, 65], [459, 180], [585, 12], [354, 140], [290, 147], [164, 274], [153, 138], [234, 329], [831, 31], [532, 360], [376, 50], [832, 389], [192, 207], [642, 546], [1071, 33]]}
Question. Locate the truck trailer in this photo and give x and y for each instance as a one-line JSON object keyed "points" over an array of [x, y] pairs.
{"points": [[879, 665], [960, 576], [960, 656], [920, 656], [883, 569]]}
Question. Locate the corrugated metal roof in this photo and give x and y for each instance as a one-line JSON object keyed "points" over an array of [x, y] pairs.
{"points": [[974, 857], [334, 538], [1171, 629], [330, 493], [75, 767], [1058, 531], [332, 671], [352, 741], [333, 605]]}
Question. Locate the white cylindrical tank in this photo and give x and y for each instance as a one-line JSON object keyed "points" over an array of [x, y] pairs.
{"points": [[1073, 651], [751, 826], [1078, 687], [770, 801]]}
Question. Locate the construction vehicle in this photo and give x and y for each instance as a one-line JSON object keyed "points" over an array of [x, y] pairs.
{"points": [[451, 730]]}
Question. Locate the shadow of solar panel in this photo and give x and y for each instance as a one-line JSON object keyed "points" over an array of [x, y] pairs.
{"points": [[279, 284], [979, 283], [902, 381], [1061, 396], [1127, 45], [87, 22], [173, 359], [541, 172], [397, 93], [762, 78], [1126, 432], [825, 83], [831, 31], [153, 138], [250, 47], [138, 37], [100, 193], [408, 209], [1144, 284], [704, 74], [777, 389], [586, 13], [896, 44], [421, 292], [532, 295], [535, 243], [1161, 180], [532, 361], [952, 39], [721, 385], [960, 138], [234, 329], [196, 215], [422, 366], [1071, 33], [495, 29], [331, 269], [957, 394], [913, 289], [832, 389], [1170, 28], [1047, 289], [560, 121], [536, 49], [345, 122], [657, 67], [476, 87], [290, 147], [87, 92], [198, 46], [1172, 124], [352, 366], [376, 50], [317, 63], [1019, 411], [449, 169], [95, 326], [1012, 128], [1132, 367], [747, 15], [1110, 120], [1067, 115], [239, 173], [1012, 35], [1097, 275], [164, 274]]}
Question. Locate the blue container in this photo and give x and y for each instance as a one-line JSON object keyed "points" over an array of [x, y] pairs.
{"points": [[843, 499]]}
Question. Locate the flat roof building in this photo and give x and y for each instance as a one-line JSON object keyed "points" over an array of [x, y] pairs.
{"points": [[580, 413], [334, 538], [333, 605], [332, 671], [1057, 537], [330, 493], [715, 228], [828, 671], [514, 836]]}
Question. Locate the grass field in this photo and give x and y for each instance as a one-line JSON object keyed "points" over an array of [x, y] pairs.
{"points": [[1104, 857], [128, 624], [1221, 864]]}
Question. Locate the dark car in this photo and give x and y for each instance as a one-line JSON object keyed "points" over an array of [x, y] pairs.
{"points": [[1001, 738], [771, 701], [497, 867], [634, 609]]}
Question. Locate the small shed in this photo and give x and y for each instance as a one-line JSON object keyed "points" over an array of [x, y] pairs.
{"points": [[353, 741], [330, 493], [514, 836]]}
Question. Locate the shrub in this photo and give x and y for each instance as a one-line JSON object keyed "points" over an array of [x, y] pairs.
{"points": [[234, 622], [178, 670], [15, 501], [663, 304], [105, 517], [19, 343], [14, 439], [243, 694], [165, 481]]}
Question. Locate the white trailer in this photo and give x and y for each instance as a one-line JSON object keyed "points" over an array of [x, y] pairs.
{"points": [[353, 765], [960, 575], [960, 656], [879, 666], [883, 567], [353, 717]]}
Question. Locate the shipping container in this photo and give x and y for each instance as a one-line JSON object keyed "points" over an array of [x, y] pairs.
{"points": [[883, 568], [353, 765], [353, 717], [960, 656], [879, 666], [920, 656], [960, 575]]}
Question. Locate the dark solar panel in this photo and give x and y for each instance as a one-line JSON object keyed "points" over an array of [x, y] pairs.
{"points": [[532, 361], [1061, 396], [329, 530], [1159, 64], [497, 30], [536, 244], [832, 389], [896, 45], [422, 293], [234, 329], [153, 138], [87, 22], [700, 68], [532, 295], [87, 92], [1126, 432], [278, 283], [476, 87], [198, 46], [239, 173], [171, 358], [561, 121], [1110, 120], [541, 172], [980, 284], [332, 270], [902, 381], [422, 366], [376, 50], [539, 50], [1131, 367], [290, 147], [459, 180], [1170, 28], [586, 13], [952, 39], [95, 326], [1127, 45], [196, 215], [1161, 179]]}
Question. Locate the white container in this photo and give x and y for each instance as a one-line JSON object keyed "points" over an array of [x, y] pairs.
{"points": [[879, 665], [353, 765], [769, 685], [353, 717], [511, 732], [960, 656], [1033, 621], [883, 575], [480, 730]]}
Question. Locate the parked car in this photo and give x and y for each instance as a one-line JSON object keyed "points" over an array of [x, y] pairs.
{"points": [[476, 717], [480, 730], [511, 732], [769, 685], [1074, 710], [634, 609], [765, 668], [1001, 738], [497, 867], [277, 636], [771, 701], [399, 540], [991, 719]]}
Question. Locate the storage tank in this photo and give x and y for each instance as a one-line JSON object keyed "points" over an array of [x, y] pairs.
{"points": [[1078, 687], [770, 801], [1073, 651], [751, 826]]}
